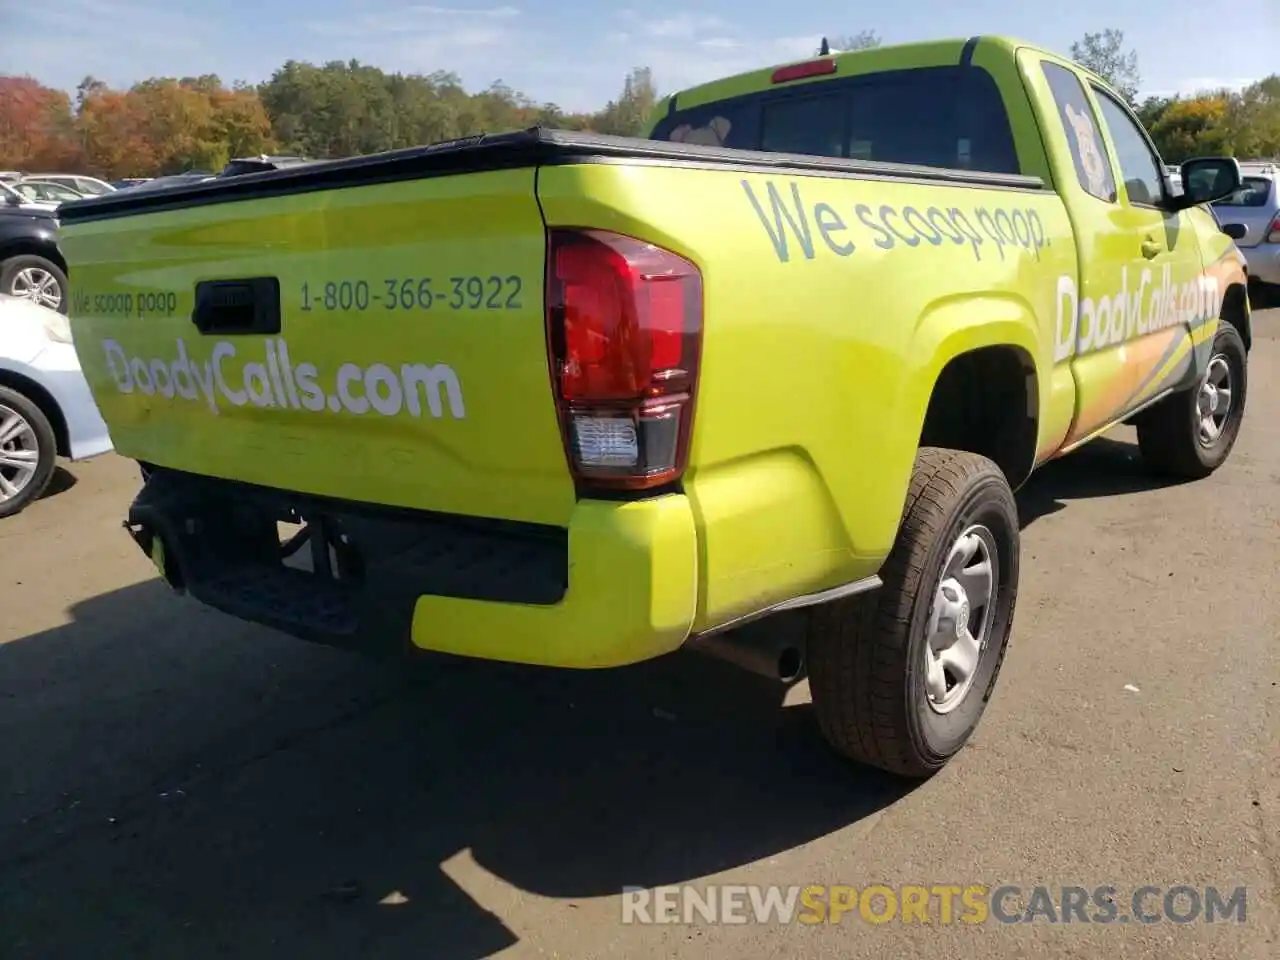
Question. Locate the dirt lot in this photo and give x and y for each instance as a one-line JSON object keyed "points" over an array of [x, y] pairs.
{"points": [[176, 784]]}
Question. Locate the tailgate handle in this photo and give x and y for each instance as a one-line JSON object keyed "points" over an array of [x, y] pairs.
{"points": [[229, 307]]}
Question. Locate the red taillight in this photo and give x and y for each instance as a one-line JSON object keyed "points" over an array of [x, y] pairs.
{"points": [[624, 327], [798, 71], [1273, 231]]}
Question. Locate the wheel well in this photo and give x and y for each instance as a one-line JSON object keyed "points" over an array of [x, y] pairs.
{"points": [[44, 400], [1235, 311], [987, 402], [35, 248]]}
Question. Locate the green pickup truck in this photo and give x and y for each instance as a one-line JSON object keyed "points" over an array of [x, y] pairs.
{"points": [[581, 401]]}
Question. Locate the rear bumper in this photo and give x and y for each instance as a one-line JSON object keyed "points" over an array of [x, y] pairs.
{"points": [[619, 586], [60, 374], [1264, 262]]}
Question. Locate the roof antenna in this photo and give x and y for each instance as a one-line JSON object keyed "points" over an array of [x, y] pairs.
{"points": [[825, 49]]}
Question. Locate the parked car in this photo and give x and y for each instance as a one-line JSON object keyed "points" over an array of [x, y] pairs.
{"points": [[31, 265], [45, 191], [174, 180], [129, 182], [261, 164], [12, 199], [1255, 206], [88, 186], [46, 408], [792, 352]]}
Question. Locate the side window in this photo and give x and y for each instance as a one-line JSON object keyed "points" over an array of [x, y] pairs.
{"points": [[1139, 166], [811, 125], [1093, 170]]}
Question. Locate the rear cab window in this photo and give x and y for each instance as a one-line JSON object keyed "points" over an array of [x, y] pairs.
{"points": [[950, 117], [1253, 192]]}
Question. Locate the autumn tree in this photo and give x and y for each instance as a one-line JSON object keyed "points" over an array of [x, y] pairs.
{"points": [[1193, 127], [1105, 54], [37, 128]]}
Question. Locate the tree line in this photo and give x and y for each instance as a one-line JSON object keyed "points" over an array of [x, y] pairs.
{"points": [[1235, 123], [174, 124], [170, 125]]}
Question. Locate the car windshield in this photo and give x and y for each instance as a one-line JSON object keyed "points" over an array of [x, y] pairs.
{"points": [[1253, 192]]}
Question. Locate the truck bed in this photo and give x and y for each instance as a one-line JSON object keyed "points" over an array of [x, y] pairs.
{"points": [[534, 147]]}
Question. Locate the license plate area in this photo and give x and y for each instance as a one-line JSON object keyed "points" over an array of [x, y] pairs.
{"points": [[319, 547], [332, 571]]}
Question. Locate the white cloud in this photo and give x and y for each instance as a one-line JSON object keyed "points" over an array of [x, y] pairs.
{"points": [[682, 49], [450, 21], [682, 26], [123, 41], [1191, 86], [64, 41]]}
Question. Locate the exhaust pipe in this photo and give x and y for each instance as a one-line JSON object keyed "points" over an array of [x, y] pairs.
{"points": [[769, 653]]}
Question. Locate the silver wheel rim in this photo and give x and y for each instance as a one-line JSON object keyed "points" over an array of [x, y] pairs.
{"points": [[19, 453], [38, 285], [1213, 402], [960, 619]]}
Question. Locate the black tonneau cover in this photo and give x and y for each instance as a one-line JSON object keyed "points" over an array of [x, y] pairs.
{"points": [[536, 146]]}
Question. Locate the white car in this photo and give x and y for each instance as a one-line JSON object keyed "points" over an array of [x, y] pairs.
{"points": [[13, 198], [46, 409], [85, 186]]}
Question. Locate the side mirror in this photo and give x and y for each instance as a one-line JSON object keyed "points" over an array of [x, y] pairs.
{"points": [[12, 199], [1206, 179], [1236, 231]]}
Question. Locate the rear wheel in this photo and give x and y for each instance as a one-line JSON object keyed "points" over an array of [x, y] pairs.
{"points": [[901, 677], [1190, 434], [36, 279], [28, 452]]}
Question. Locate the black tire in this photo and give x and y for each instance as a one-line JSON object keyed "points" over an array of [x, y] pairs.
{"points": [[13, 267], [1169, 432], [12, 402], [867, 654]]}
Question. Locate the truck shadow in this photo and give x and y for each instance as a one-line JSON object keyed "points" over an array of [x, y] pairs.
{"points": [[175, 783], [1105, 467], [62, 481]]}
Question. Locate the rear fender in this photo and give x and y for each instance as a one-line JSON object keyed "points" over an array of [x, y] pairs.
{"points": [[951, 328]]}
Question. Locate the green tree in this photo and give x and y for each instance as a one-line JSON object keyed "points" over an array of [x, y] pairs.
{"points": [[1105, 54], [1253, 120], [1193, 127], [628, 115], [1152, 109]]}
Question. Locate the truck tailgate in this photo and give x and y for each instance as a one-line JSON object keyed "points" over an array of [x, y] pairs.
{"points": [[382, 343]]}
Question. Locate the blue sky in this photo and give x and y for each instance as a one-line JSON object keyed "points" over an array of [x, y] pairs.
{"points": [[575, 53]]}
